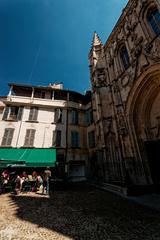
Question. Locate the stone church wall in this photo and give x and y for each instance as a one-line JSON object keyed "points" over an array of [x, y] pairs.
{"points": [[125, 76]]}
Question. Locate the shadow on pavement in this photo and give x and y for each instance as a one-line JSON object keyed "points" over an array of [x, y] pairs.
{"points": [[83, 212]]}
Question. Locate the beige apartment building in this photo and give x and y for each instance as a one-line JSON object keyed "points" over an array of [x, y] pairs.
{"points": [[49, 117]]}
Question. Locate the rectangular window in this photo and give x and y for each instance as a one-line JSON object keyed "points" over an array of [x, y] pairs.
{"points": [[89, 117], [74, 139], [7, 137], [13, 113], [33, 114], [56, 139], [91, 139], [74, 117], [29, 138], [39, 94]]}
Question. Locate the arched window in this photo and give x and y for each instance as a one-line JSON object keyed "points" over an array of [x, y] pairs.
{"points": [[124, 56], [153, 18]]}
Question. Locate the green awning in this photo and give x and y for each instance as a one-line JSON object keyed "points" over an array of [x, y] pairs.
{"points": [[27, 157]]}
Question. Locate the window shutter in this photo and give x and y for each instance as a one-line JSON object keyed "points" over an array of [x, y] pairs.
{"points": [[32, 136], [4, 140], [26, 143], [74, 117], [33, 114], [54, 139], [20, 113], [5, 114], [29, 138], [10, 136], [7, 137], [75, 139]]}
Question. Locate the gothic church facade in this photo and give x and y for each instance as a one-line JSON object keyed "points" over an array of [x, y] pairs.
{"points": [[125, 78]]}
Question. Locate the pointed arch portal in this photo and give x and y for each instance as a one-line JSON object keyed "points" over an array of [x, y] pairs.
{"points": [[143, 111]]}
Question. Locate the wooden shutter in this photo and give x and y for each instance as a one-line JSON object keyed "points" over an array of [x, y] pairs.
{"points": [[32, 136], [4, 140], [29, 138], [75, 139], [7, 137], [20, 113], [10, 136], [33, 114], [5, 114], [74, 117], [26, 143]]}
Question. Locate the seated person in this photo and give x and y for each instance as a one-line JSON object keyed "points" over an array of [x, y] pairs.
{"points": [[23, 180]]}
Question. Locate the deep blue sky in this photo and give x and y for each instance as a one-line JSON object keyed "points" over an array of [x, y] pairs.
{"points": [[44, 41]]}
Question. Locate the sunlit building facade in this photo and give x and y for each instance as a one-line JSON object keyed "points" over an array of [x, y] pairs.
{"points": [[48, 117]]}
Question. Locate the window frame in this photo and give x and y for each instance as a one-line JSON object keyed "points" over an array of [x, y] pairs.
{"points": [[149, 12], [13, 115], [33, 114], [89, 117], [91, 139], [7, 140], [75, 117], [75, 139], [124, 57], [29, 140]]}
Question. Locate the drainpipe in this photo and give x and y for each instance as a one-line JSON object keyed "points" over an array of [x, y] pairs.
{"points": [[20, 127], [44, 136]]}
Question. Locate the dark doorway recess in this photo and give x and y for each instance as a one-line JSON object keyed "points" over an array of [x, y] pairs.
{"points": [[153, 154]]}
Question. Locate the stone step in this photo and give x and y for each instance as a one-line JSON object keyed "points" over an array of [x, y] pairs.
{"points": [[114, 188]]}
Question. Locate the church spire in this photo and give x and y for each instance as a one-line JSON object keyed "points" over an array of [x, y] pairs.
{"points": [[96, 40], [96, 44]]}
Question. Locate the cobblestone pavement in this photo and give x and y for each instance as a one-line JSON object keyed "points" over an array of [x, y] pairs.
{"points": [[78, 213]]}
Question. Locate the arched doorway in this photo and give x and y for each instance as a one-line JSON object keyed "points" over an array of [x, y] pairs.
{"points": [[143, 111]]}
